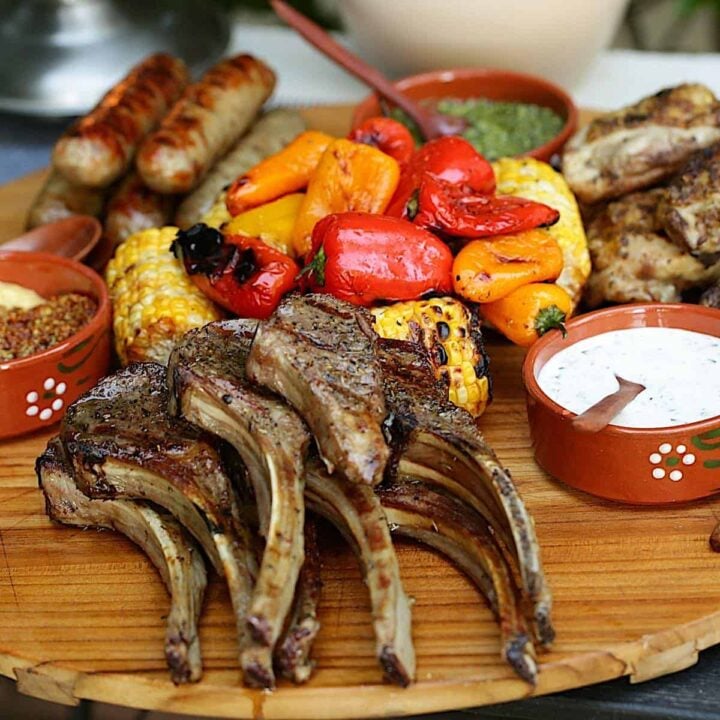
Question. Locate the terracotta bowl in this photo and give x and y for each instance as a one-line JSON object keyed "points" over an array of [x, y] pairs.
{"points": [[34, 391], [486, 83], [638, 466]]}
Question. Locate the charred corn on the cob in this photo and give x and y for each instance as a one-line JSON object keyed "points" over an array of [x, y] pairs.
{"points": [[154, 302], [536, 180], [451, 333], [218, 214]]}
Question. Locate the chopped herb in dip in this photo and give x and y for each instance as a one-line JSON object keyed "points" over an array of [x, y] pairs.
{"points": [[498, 129]]}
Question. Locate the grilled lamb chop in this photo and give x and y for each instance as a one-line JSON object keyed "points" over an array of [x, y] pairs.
{"points": [[317, 352], [123, 444], [169, 548], [689, 210], [292, 655], [445, 523], [208, 387], [633, 260], [435, 441], [356, 512], [638, 146]]}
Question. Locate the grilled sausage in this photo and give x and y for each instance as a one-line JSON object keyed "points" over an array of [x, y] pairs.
{"points": [[97, 149], [134, 207], [204, 123], [269, 134], [59, 199]]}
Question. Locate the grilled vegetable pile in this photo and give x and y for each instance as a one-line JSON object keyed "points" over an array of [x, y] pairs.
{"points": [[433, 239]]}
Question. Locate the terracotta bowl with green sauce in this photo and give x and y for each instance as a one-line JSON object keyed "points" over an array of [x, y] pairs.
{"points": [[507, 113]]}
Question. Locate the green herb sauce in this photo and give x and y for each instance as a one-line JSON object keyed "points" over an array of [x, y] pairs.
{"points": [[498, 129]]}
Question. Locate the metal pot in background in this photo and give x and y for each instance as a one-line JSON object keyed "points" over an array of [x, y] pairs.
{"points": [[57, 57]]}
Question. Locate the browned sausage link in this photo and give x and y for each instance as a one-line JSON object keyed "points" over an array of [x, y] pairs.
{"points": [[97, 149], [207, 120], [267, 136], [58, 199], [134, 207]]}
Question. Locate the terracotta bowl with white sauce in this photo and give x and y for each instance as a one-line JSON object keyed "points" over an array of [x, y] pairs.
{"points": [[664, 446]]}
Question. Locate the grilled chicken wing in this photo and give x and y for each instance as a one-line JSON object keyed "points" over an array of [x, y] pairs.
{"points": [[633, 260], [635, 147], [690, 209]]}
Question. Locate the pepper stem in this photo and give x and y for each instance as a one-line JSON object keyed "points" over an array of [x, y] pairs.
{"points": [[316, 267], [550, 318]]}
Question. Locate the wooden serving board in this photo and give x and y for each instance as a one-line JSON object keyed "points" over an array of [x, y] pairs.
{"points": [[637, 593]]}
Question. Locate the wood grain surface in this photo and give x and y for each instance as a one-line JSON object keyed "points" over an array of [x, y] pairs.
{"points": [[637, 592]]}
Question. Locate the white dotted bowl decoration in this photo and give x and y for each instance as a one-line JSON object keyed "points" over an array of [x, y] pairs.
{"points": [[45, 403], [664, 456]]}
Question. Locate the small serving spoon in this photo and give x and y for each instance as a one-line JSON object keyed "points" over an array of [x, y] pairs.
{"points": [[73, 237], [603, 412], [431, 124]]}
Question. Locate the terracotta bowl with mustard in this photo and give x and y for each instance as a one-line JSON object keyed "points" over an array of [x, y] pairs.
{"points": [[498, 86], [664, 446], [36, 388]]}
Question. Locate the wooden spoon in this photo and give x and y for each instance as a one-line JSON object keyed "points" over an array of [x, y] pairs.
{"points": [[73, 237], [431, 124], [603, 412]]}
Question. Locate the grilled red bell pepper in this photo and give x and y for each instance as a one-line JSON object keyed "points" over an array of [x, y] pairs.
{"points": [[449, 158], [457, 210], [387, 135], [361, 258], [240, 273]]}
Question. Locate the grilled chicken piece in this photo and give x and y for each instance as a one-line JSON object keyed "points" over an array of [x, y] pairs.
{"points": [[317, 352], [445, 523], [208, 387], [123, 444], [711, 297], [437, 442], [169, 548], [356, 512], [293, 653], [689, 210], [637, 146], [633, 260]]}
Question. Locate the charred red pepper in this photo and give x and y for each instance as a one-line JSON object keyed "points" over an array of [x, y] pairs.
{"points": [[457, 210], [240, 273], [361, 258], [448, 158], [387, 135]]}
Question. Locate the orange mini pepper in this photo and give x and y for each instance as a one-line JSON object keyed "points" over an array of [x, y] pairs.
{"points": [[529, 312], [486, 270], [287, 171], [351, 177]]}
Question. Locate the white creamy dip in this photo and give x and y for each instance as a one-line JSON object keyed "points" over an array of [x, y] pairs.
{"points": [[679, 368]]}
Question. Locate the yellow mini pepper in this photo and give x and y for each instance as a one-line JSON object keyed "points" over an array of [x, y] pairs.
{"points": [[273, 222]]}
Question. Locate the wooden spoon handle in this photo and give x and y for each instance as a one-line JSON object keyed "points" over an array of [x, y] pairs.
{"points": [[314, 34], [602, 412]]}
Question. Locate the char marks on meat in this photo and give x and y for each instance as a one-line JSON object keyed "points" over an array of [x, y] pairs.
{"points": [[355, 510], [123, 444], [208, 387], [317, 353], [690, 208], [292, 655], [417, 511], [169, 548], [435, 441], [638, 146], [633, 260]]}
